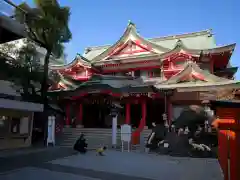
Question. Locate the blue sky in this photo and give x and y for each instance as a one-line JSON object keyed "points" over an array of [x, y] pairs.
{"points": [[100, 22]]}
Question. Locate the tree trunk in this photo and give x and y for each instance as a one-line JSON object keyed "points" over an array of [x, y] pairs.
{"points": [[44, 89], [44, 85]]}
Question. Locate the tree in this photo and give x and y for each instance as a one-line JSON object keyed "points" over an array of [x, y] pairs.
{"points": [[28, 59], [47, 24], [24, 70]]}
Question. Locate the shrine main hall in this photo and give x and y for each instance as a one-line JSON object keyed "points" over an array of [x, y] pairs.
{"points": [[148, 78]]}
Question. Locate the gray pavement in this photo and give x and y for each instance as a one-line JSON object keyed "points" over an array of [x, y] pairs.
{"points": [[40, 174], [15, 159], [115, 165], [146, 165]]}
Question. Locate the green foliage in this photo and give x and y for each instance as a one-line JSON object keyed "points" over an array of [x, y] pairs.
{"points": [[47, 24], [24, 71], [28, 57], [17, 59]]}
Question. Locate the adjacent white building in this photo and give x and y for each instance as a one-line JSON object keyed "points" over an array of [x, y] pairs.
{"points": [[10, 47]]}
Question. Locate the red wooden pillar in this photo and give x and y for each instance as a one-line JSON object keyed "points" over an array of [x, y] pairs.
{"points": [[80, 117], [68, 118], [229, 141], [127, 114], [144, 114], [237, 141]]}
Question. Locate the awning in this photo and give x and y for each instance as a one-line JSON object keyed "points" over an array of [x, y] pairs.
{"points": [[201, 87], [12, 30], [20, 105]]}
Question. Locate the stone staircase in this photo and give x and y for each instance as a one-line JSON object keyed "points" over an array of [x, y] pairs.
{"points": [[96, 137]]}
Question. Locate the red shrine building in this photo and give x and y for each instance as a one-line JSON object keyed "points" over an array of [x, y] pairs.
{"points": [[147, 77]]}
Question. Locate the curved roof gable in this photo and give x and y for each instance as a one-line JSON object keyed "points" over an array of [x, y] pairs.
{"points": [[192, 69], [180, 47], [205, 81], [80, 60], [130, 34]]}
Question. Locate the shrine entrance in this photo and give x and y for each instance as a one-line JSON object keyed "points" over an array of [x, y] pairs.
{"points": [[96, 111], [135, 115], [155, 110], [95, 115]]}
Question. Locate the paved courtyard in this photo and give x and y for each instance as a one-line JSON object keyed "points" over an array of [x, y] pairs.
{"points": [[117, 165]]}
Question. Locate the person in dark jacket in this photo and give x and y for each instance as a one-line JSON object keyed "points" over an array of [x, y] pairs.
{"points": [[169, 142], [81, 145], [157, 136]]}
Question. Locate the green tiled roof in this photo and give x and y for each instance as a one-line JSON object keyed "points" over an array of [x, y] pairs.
{"points": [[196, 40]]}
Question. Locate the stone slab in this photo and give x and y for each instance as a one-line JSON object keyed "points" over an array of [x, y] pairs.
{"points": [[40, 174], [146, 165]]}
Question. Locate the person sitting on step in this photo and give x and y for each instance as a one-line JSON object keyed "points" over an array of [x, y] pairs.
{"points": [[81, 144]]}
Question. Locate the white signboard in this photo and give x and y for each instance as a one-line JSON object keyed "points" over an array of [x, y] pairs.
{"points": [[165, 145], [114, 131], [51, 130], [24, 125], [126, 133]]}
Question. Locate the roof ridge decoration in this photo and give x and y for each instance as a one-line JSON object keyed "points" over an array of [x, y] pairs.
{"points": [[183, 35], [129, 34], [192, 69]]}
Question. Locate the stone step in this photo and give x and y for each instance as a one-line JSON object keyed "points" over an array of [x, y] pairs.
{"points": [[95, 137], [90, 130], [81, 131], [87, 130], [92, 141]]}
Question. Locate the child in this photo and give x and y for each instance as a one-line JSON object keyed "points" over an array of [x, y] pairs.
{"points": [[100, 151]]}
